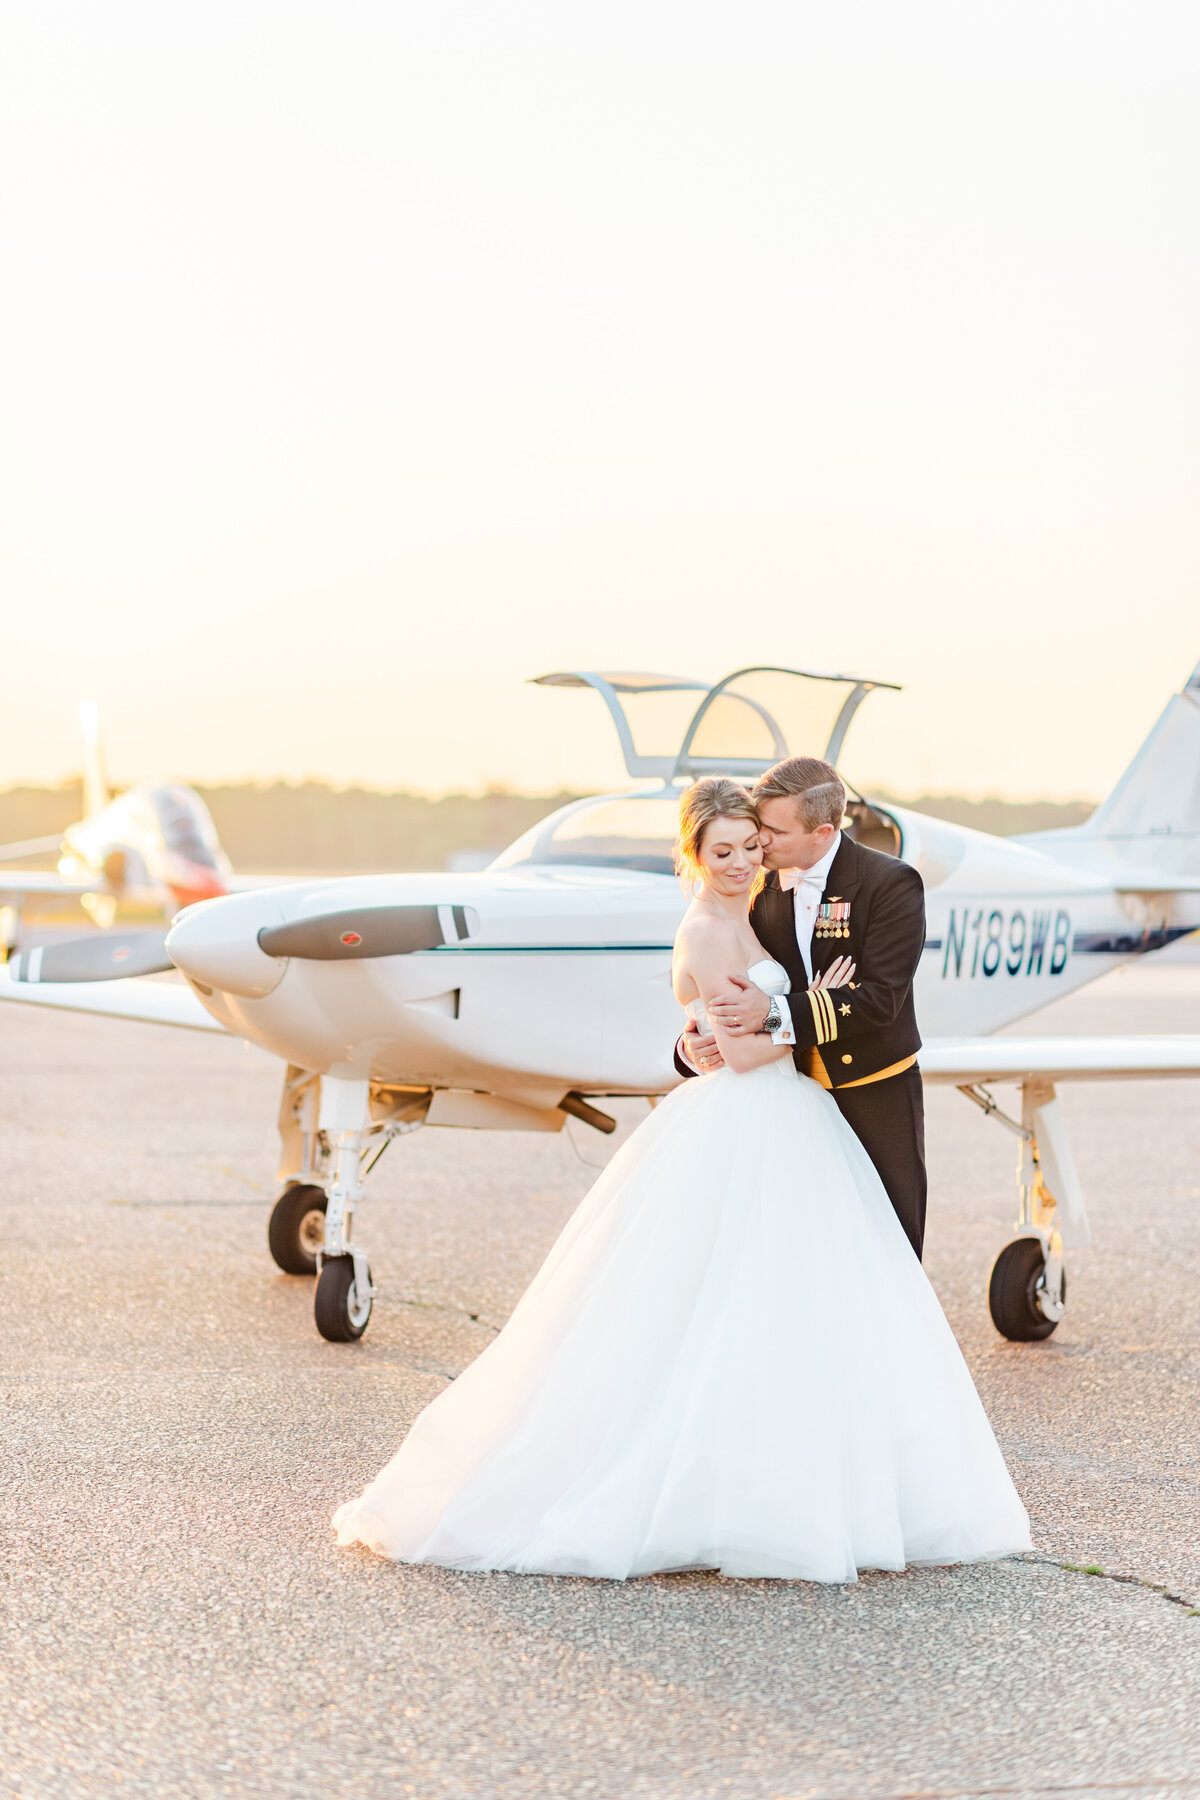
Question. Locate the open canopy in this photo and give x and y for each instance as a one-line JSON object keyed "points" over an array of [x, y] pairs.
{"points": [[674, 727]]}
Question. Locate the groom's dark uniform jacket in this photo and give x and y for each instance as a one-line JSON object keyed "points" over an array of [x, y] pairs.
{"points": [[861, 1041], [860, 1031]]}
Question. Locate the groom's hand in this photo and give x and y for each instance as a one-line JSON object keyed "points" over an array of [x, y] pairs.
{"points": [[742, 1011]]}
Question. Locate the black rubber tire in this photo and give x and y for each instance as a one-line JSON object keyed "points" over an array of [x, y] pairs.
{"points": [[1012, 1293], [290, 1233], [333, 1302]]}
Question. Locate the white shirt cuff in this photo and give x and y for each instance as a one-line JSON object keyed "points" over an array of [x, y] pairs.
{"points": [[784, 1032]]}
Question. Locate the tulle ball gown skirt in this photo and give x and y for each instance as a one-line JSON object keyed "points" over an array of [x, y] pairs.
{"points": [[731, 1359]]}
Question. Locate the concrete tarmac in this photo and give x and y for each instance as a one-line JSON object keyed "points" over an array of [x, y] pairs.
{"points": [[179, 1622]]}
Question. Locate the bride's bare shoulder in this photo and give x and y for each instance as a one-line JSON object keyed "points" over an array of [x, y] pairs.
{"points": [[702, 934], [700, 925]]}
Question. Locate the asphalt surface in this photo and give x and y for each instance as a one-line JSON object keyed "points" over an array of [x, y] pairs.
{"points": [[178, 1621]]}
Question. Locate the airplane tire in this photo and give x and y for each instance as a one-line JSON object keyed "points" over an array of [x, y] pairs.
{"points": [[296, 1229], [339, 1315], [1012, 1292]]}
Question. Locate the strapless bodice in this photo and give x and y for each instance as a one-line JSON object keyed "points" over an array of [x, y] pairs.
{"points": [[766, 974], [770, 976]]}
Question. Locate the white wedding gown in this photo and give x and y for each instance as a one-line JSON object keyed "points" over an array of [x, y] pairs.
{"points": [[731, 1359]]}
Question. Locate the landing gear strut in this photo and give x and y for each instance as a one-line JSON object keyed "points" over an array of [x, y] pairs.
{"points": [[334, 1129], [342, 1302], [1027, 1293]]}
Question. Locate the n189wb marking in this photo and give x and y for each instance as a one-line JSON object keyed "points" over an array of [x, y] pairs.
{"points": [[987, 941]]}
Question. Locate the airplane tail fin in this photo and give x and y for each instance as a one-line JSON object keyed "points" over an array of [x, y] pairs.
{"points": [[1151, 820], [96, 794]]}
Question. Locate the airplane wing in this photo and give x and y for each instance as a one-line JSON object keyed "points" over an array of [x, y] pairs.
{"points": [[1148, 883], [152, 1002], [962, 1061], [39, 881], [47, 881], [951, 1062], [46, 846]]}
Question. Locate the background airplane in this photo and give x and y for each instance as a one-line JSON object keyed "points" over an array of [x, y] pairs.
{"points": [[515, 997], [151, 848]]}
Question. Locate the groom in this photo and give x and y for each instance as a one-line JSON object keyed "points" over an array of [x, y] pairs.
{"points": [[826, 897]]}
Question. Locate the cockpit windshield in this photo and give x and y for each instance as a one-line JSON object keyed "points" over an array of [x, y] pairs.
{"points": [[635, 831], [628, 833]]}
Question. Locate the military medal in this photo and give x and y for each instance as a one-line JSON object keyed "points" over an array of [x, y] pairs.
{"points": [[833, 919]]}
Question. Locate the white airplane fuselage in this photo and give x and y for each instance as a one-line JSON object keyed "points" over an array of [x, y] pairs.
{"points": [[555, 979]]}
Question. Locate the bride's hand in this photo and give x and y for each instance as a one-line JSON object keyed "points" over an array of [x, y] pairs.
{"points": [[699, 1050], [838, 974]]}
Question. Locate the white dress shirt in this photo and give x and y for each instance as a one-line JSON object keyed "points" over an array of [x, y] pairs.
{"points": [[807, 892]]}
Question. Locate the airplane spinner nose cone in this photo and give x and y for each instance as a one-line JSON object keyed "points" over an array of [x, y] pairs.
{"points": [[216, 943]]}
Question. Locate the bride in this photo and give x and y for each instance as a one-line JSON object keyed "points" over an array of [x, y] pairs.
{"points": [[731, 1358]]}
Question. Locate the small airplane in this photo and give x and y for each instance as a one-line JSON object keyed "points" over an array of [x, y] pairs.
{"points": [[520, 995], [152, 847]]}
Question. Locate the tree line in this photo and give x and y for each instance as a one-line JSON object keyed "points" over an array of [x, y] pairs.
{"points": [[309, 826]]}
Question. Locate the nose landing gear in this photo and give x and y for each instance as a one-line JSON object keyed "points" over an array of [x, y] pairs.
{"points": [[333, 1130], [343, 1297], [345, 1291]]}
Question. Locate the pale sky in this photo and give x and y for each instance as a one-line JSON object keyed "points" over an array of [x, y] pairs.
{"points": [[361, 360]]}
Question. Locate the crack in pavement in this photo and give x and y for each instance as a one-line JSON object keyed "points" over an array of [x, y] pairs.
{"points": [[446, 1306], [1191, 1607]]}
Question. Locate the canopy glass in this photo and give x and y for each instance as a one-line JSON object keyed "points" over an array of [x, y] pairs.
{"points": [[651, 713], [675, 727]]}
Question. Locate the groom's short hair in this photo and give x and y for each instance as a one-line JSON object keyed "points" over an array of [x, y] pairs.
{"points": [[815, 786]]}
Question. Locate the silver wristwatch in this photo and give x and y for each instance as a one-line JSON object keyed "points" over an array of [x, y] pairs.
{"points": [[774, 1018]]}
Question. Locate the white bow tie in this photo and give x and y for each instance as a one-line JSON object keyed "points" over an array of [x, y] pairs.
{"points": [[790, 879]]}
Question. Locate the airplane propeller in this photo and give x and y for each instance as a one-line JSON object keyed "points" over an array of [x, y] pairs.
{"points": [[348, 935], [361, 932], [105, 956]]}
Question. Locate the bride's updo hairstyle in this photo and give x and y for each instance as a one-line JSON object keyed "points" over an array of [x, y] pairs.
{"points": [[712, 797]]}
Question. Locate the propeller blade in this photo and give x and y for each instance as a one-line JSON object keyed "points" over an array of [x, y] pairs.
{"points": [[360, 931], [105, 956]]}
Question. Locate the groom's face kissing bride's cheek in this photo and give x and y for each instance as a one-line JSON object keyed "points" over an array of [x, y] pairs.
{"points": [[786, 841]]}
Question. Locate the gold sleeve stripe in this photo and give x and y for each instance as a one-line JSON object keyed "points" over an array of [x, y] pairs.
{"points": [[824, 1017], [819, 1017], [814, 1000]]}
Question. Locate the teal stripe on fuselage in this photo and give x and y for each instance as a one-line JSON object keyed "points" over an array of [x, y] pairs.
{"points": [[544, 949]]}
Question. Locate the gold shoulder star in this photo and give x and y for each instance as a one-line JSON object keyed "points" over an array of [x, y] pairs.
{"points": [[845, 1012]]}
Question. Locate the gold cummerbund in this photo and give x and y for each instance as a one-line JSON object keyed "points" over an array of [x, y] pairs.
{"points": [[816, 1068]]}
